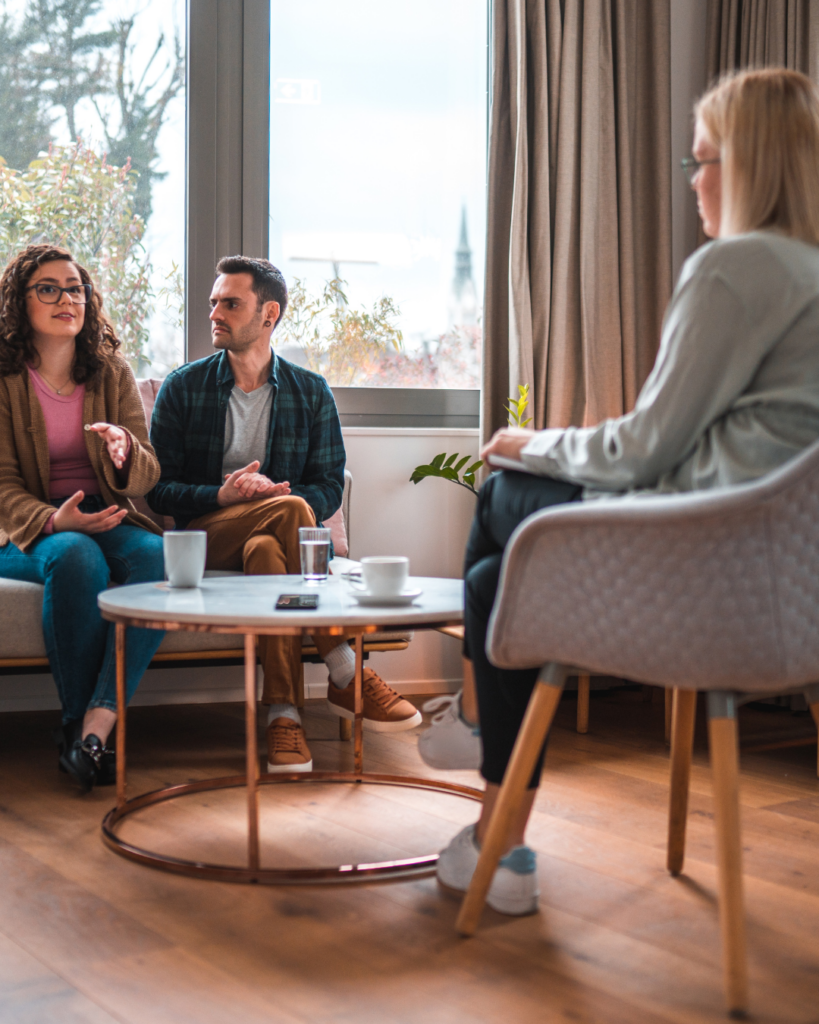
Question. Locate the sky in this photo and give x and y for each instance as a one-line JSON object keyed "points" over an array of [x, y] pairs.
{"points": [[378, 139]]}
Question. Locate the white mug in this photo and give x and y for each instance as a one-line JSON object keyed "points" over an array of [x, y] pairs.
{"points": [[385, 575], [185, 552]]}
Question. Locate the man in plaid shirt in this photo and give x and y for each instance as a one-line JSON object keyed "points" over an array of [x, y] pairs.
{"points": [[251, 449]]}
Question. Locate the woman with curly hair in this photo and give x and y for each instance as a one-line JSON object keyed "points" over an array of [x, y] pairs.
{"points": [[73, 449]]}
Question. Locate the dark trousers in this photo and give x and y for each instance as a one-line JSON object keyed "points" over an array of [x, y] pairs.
{"points": [[505, 500]]}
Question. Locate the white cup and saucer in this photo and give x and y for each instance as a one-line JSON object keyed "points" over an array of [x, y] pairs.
{"points": [[384, 582]]}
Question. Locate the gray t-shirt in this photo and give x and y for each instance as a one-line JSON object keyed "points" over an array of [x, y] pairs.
{"points": [[734, 393], [246, 427]]}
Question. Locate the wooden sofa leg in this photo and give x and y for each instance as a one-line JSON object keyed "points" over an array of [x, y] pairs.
{"points": [[722, 738], [536, 723], [583, 687], [812, 697], [814, 710], [668, 708], [682, 741]]}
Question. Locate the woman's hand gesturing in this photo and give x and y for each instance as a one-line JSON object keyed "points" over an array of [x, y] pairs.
{"points": [[69, 517], [116, 442]]}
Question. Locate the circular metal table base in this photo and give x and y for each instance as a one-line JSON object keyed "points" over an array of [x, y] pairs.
{"points": [[413, 867]]}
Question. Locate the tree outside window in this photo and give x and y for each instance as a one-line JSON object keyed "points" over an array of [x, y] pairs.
{"points": [[92, 148]]}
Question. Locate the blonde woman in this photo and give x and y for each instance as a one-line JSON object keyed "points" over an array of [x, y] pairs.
{"points": [[733, 395]]}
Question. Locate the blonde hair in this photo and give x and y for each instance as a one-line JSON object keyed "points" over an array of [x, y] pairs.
{"points": [[766, 125]]}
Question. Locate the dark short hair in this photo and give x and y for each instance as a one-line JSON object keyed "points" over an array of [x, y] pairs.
{"points": [[268, 281]]}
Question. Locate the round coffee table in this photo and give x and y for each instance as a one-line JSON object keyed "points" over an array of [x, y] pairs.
{"points": [[246, 604]]}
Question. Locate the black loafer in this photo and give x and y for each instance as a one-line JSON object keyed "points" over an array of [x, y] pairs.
{"points": [[107, 772], [82, 760], [65, 736]]}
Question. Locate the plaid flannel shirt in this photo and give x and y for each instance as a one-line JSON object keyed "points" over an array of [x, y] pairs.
{"points": [[304, 444]]}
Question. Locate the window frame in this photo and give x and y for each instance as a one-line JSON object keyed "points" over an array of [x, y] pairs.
{"points": [[227, 194]]}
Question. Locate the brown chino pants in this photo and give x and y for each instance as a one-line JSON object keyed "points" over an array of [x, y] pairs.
{"points": [[261, 538]]}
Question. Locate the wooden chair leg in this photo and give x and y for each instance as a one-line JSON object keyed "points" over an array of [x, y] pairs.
{"points": [[668, 702], [722, 737], [345, 729], [300, 689], [682, 742], [583, 688], [536, 723]]}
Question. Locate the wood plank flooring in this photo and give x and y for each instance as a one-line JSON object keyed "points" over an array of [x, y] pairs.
{"points": [[86, 936]]}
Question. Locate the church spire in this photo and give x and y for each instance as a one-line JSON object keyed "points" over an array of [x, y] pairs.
{"points": [[463, 259], [463, 301]]}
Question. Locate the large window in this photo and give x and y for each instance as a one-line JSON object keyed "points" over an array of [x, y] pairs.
{"points": [[378, 119], [92, 136]]}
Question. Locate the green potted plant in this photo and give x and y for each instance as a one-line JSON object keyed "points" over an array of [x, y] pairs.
{"points": [[450, 467]]}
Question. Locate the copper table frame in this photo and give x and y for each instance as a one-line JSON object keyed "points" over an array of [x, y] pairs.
{"points": [[414, 867]]}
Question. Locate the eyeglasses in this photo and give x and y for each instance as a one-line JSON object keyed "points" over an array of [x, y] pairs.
{"points": [[691, 165], [51, 294]]}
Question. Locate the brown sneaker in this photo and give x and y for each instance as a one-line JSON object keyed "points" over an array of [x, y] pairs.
{"points": [[287, 749], [385, 710]]}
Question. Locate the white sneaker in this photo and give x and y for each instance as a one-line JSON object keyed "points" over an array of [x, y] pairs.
{"points": [[450, 742], [514, 888]]}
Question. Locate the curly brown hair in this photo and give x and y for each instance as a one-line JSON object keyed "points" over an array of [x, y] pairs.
{"points": [[95, 343]]}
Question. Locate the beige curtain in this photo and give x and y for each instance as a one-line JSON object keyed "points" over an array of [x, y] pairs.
{"points": [[578, 269], [763, 33]]}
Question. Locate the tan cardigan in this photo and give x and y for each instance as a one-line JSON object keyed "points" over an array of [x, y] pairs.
{"points": [[24, 461]]}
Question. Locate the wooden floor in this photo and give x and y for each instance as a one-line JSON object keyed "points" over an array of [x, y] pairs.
{"points": [[87, 936]]}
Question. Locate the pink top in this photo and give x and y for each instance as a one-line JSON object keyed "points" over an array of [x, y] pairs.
{"points": [[71, 469]]}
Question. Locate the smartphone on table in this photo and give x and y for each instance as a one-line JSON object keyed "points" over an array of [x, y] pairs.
{"points": [[297, 602]]}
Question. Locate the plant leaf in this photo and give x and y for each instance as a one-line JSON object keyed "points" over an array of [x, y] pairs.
{"points": [[421, 472]]}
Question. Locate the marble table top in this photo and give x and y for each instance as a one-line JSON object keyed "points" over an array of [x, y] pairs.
{"points": [[237, 601]]}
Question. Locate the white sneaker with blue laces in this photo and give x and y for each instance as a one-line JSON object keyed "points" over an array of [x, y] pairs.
{"points": [[514, 889], [450, 741]]}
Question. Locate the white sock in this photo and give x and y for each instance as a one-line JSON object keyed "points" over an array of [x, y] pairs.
{"points": [[341, 664], [283, 711]]}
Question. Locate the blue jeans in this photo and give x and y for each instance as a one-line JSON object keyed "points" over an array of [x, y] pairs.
{"points": [[75, 568]]}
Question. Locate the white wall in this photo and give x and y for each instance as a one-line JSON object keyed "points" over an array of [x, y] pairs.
{"points": [[688, 25]]}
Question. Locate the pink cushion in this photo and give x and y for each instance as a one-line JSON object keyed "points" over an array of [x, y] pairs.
{"points": [[148, 390], [338, 533]]}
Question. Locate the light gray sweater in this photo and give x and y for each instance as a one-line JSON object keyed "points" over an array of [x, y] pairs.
{"points": [[734, 392]]}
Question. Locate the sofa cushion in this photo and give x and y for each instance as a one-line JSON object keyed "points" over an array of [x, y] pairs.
{"points": [[147, 392], [21, 613]]}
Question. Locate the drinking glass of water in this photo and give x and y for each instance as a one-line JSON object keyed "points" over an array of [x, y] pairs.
{"points": [[314, 547]]}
